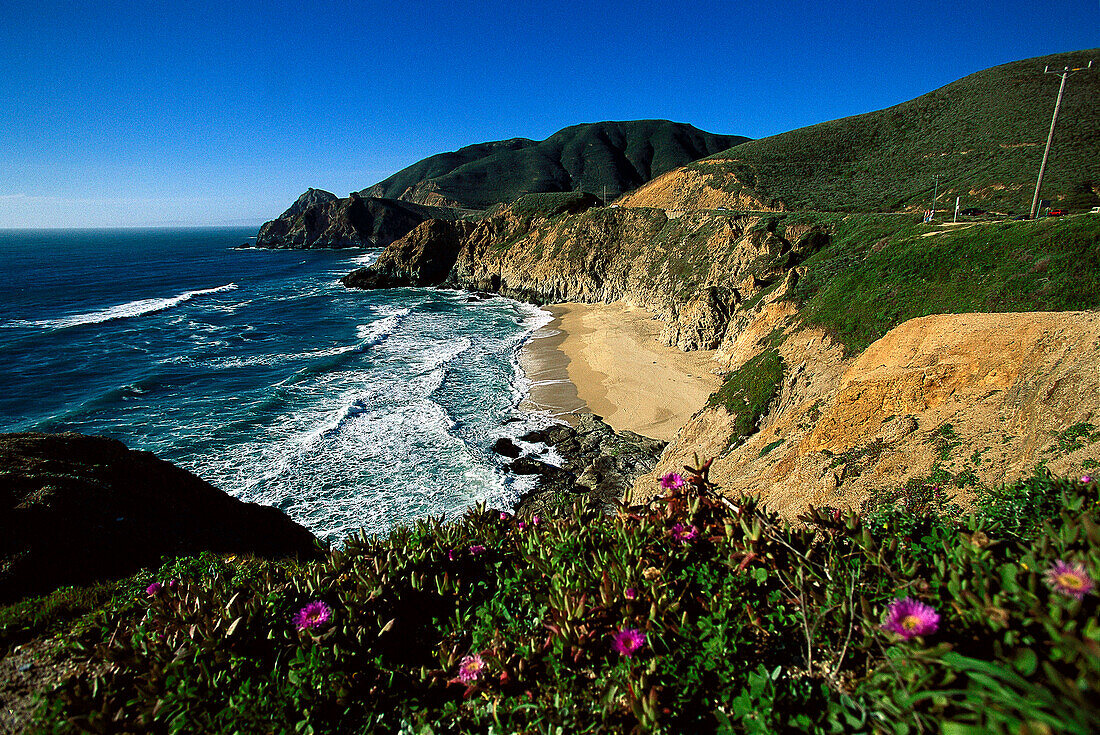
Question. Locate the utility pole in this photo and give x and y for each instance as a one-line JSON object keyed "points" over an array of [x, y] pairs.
{"points": [[935, 193], [1050, 136]]}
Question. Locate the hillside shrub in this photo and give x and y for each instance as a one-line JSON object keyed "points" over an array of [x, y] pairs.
{"points": [[693, 614]]}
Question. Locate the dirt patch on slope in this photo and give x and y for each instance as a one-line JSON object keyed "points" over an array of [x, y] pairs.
{"points": [[978, 399]]}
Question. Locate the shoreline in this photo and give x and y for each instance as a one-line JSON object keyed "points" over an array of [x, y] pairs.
{"points": [[605, 359]]}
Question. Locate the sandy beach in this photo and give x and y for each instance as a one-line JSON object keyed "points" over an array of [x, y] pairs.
{"points": [[605, 358]]}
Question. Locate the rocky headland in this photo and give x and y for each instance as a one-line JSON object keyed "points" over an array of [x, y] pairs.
{"points": [[320, 219], [75, 509]]}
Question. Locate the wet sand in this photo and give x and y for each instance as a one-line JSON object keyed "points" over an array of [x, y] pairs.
{"points": [[605, 358]]}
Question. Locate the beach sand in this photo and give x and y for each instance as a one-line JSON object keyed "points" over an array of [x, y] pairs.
{"points": [[605, 358]]}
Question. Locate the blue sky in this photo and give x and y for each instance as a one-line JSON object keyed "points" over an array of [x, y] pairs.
{"points": [[115, 114]]}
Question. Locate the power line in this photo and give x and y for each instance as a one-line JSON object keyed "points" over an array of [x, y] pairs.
{"points": [[1066, 72]]}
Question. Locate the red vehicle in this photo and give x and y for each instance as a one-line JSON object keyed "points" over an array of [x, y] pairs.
{"points": [[1058, 212]]}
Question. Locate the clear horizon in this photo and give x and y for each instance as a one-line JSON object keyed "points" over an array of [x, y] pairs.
{"points": [[150, 116]]}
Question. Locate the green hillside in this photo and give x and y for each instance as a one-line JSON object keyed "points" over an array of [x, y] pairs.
{"points": [[616, 156], [983, 135]]}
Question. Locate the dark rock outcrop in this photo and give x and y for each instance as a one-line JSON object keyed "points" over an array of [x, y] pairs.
{"points": [[319, 219], [506, 447], [74, 509], [597, 461], [424, 257]]}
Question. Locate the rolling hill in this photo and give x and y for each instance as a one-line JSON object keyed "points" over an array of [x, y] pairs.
{"points": [[594, 157], [983, 135]]}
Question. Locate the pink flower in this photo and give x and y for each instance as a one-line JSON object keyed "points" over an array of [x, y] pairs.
{"points": [[630, 593], [1069, 579], [534, 520], [627, 641], [908, 617], [313, 615], [451, 555], [477, 549], [469, 669], [1086, 479], [154, 588], [683, 533], [503, 516], [672, 481], [521, 525]]}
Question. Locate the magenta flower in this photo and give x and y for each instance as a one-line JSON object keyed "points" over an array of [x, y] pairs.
{"points": [[451, 555], [627, 641], [503, 516], [534, 520], [672, 481], [313, 615], [908, 617], [1086, 479], [469, 669], [630, 593], [477, 549], [1069, 579], [683, 533], [154, 588], [521, 525]]}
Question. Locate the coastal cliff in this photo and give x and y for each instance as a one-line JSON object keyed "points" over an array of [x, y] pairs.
{"points": [[795, 305], [693, 269]]}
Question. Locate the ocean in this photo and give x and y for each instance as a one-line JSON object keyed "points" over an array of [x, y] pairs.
{"points": [[256, 370]]}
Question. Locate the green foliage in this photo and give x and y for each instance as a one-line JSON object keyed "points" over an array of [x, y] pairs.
{"points": [[1075, 437], [553, 203], [982, 135], [36, 616], [747, 391], [878, 271], [750, 626]]}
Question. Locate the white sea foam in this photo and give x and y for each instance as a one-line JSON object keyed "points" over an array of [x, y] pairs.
{"points": [[123, 311], [373, 333], [366, 259]]}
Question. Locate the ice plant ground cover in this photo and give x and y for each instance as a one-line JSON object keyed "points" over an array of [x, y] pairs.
{"points": [[605, 622]]}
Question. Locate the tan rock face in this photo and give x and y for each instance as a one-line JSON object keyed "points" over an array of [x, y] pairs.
{"points": [[981, 396], [693, 270], [688, 188]]}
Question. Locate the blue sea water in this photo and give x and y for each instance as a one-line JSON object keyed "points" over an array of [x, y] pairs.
{"points": [[259, 372]]}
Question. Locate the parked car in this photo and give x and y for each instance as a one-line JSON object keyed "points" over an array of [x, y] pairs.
{"points": [[1058, 212], [1094, 210]]}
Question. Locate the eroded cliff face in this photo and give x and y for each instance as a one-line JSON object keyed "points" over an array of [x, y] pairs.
{"points": [[692, 269], [702, 186], [953, 400], [956, 400]]}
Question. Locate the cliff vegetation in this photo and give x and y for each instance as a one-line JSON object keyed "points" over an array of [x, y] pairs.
{"points": [[692, 614]]}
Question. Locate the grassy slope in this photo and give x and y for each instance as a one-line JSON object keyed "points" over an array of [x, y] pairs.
{"points": [[879, 271], [617, 155], [440, 165], [982, 134]]}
